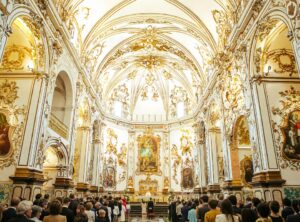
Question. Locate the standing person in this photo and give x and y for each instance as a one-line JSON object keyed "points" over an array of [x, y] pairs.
{"points": [[24, 212], [107, 210], [192, 217], [263, 211], [66, 211], [185, 211], [178, 210], [37, 200], [123, 214], [204, 209], [227, 213], [150, 206], [248, 215], [116, 211], [73, 203], [294, 218], [36, 213], [80, 214], [89, 212], [275, 217], [101, 216], [255, 203], [248, 203], [11, 212], [295, 207], [211, 215], [233, 200], [55, 208], [287, 209], [46, 198]]}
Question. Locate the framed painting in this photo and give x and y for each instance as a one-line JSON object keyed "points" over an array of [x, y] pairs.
{"points": [[5, 146], [109, 177], [187, 178], [148, 154], [247, 171], [291, 146]]}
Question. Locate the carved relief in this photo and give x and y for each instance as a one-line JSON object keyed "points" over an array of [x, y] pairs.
{"points": [[284, 60], [111, 147], [14, 57], [176, 162], [110, 173], [148, 185], [179, 94], [11, 124], [186, 145]]}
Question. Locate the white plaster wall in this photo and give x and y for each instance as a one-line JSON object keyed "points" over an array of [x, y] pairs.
{"points": [[122, 134]]}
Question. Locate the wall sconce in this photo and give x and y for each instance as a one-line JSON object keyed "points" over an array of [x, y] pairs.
{"points": [[30, 66], [267, 70]]}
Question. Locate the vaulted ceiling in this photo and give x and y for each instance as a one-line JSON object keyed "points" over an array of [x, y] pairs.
{"points": [[149, 48]]}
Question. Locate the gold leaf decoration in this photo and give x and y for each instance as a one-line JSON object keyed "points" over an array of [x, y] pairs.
{"points": [[8, 92]]}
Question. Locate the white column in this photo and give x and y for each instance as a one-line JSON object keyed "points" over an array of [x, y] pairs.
{"points": [[213, 137], [82, 154]]}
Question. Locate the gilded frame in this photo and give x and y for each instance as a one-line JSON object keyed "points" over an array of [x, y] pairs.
{"points": [[155, 140]]}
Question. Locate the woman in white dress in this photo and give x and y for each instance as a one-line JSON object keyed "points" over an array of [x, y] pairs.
{"points": [[227, 213]]}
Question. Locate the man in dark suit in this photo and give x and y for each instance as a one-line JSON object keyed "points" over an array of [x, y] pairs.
{"points": [[11, 212], [287, 208], [73, 203], [66, 211], [294, 218], [233, 201], [24, 212], [204, 209], [150, 206]]}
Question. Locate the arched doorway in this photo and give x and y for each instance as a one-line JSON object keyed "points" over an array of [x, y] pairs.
{"points": [[24, 50], [241, 153], [54, 166], [274, 52], [62, 105]]}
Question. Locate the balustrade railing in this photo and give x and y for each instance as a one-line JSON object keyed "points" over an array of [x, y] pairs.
{"points": [[58, 126]]}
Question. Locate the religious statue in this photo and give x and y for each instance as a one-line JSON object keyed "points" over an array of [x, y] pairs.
{"points": [[166, 183]]}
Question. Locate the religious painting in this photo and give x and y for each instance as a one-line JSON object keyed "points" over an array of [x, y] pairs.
{"points": [[4, 136], [109, 177], [148, 154], [246, 166], [187, 178], [291, 147]]}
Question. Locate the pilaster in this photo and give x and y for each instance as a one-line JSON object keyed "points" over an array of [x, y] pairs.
{"points": [[81, 159]]}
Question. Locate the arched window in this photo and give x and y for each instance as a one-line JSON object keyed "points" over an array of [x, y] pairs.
{"points": [[180, 109]]}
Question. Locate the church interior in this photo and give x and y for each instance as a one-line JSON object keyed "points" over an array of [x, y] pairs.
{"points": [[160, 99]]}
